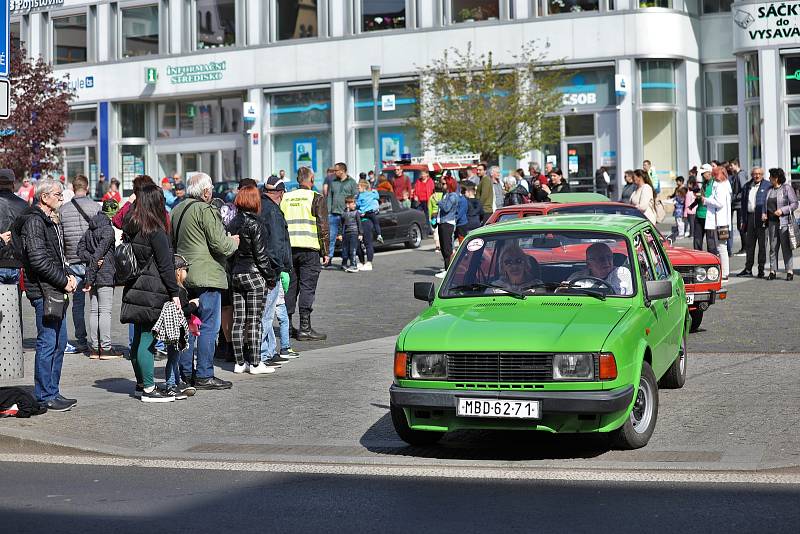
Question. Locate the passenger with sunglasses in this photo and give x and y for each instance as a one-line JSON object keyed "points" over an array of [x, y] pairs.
{"points": [[518, 271]]}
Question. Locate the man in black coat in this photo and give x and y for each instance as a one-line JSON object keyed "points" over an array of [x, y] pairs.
{"points": [[280, 254], [38, 238], [11, 207]]}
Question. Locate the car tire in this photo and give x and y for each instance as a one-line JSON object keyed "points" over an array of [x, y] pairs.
{"points": [[414, 236], [675, 377], [408, 434], [697, 319], [641, 422]]}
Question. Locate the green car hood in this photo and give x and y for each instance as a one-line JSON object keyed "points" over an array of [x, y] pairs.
{"points": [[533, 325]]}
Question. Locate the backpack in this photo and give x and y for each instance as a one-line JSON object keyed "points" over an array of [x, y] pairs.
{"points": [[125, 264], [16, 402]]}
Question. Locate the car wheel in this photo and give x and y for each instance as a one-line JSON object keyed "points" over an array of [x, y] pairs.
{"points": [[675, 377], [408, 434], [697, 318], [641, 422], [414, 236]]}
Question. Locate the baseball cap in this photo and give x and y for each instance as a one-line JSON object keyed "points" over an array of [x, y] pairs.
{"points": [[7, 176], [165, 180], [704, 168], [179, 186], [180, 262], [274, 183]]}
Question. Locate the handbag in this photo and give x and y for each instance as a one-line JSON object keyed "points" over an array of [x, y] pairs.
{"points": [[55, 303], [658, 207], [794, 230], [126, 267], [723, 233]]}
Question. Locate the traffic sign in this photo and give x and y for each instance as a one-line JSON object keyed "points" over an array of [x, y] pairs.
{"points": [[4, 37], [5, 99]]}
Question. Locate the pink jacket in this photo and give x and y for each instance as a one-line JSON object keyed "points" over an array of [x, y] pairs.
{"points": [[688, 202]]}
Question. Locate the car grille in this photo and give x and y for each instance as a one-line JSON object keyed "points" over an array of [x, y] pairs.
{"points": [[499, 367], [687, 273]]}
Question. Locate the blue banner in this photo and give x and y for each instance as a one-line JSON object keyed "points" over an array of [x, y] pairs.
{"points": [[4, 38]]}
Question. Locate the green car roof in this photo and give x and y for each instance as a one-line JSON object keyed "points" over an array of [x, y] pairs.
{"points": [[620, 224], [563, 198]]}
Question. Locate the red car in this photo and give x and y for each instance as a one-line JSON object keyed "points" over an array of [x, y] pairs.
{"points": [[701, 271]]}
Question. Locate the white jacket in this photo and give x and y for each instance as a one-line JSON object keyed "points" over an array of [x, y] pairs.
{"points": [[719, 206]]}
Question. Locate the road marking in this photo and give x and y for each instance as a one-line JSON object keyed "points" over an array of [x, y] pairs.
{"points": [[516, 473]]}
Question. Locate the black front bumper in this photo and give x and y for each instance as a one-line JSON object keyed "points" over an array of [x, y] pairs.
{"points": [[564, 402]]}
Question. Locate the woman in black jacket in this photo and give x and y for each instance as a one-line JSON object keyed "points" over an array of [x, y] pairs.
{"points": [[144, 297], [252, 274]]}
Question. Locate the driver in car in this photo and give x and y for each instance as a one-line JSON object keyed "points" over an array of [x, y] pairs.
{"points": [[600, 265]]}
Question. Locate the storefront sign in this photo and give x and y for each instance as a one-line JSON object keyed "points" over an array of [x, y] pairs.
{"points": [[78, 83], [305, 154], [23, 7], [620, 84], [391, 147], [204, 72], [387, 103], [589, 88], [150, 75], [766, 24]]}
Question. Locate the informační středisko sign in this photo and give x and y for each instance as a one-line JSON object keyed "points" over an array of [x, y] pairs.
{"points": [[23, 7], [203, 72], [766, 24]]}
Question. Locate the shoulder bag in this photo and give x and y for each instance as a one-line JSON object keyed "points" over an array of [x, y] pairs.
{"points": [[79, 269], [658, 207]]}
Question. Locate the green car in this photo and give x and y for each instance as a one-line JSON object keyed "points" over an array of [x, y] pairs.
{"points": [[559, 324]]}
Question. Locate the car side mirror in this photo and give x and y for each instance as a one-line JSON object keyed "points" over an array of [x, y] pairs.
{"points": [[424, 291], [658, 289]]}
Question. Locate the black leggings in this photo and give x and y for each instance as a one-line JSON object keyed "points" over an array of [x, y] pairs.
{"points": [[446, 241]]}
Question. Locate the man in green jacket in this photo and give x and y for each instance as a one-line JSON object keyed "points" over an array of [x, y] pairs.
{"points": [[199, 236], [342, 187], [485, 189]]}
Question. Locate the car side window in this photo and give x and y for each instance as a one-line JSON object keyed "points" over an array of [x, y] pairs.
{"points": [[385, 205], [656, 255], [642, 258]]}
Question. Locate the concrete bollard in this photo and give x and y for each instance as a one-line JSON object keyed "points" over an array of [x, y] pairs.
{"points": [[11, 362]]}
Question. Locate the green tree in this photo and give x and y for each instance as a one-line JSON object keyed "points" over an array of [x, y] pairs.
{"points": [[468, 103]]}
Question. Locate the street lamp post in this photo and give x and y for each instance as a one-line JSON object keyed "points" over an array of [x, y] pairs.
{"points": [[376, 80]]}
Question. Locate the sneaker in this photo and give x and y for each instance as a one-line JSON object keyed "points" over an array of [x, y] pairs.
{"points": [[173, 391], [94, 354], [186, 389], [380, 239], [279, 359], [156, 396], [270, 363], [261, 369], [351, 269], [110, 354], [365, 266], [70, 350], [137, 392], [71, 402], [56, 405], [440, 274], [289, 353], [239, 369], [212, 383]]}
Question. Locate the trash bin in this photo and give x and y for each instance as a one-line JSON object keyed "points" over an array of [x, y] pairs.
{"points": [[11, 364]]}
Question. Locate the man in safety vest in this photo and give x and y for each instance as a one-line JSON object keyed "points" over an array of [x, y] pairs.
{"points": [[307, 219]]}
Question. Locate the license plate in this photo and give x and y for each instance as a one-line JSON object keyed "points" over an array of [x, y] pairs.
{"points": [[689, 298], [512, 409]]}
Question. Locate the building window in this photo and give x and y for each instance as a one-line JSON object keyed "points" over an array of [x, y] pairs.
{"points": [[301, 108], [395, 140], [655, 3], [216, 23], [297, 19], [382, 14], [751, 79], [132, 119], [474, 10], [720, 89], [792, 75], [657, 81], [718, 124], [578, 125], [555, 7], [659, 140], [717, 6], [82, 125], [167, 115], [404, 102], [69, 39], [133, 163], [301, 130], [15, 35], [194, 118], [794, 115], [139, 31], [754, 134]]}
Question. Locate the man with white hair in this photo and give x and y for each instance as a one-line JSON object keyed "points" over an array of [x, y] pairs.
{"points": [[199, 236], [39, 238]]}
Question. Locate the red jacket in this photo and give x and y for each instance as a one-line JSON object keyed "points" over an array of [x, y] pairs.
{"points": [[401, 183], [423, 190]]}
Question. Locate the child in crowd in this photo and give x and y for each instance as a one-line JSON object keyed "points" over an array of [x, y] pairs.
{"points": [[283, 322], [367, 206], [680, 208], [474, 211], [351, 235], [461, 212], [688, 202], [406, 202], [433, 209], [172, 373]]}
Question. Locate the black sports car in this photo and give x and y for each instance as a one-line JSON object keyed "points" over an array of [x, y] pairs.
{"points": [[399, 225]]}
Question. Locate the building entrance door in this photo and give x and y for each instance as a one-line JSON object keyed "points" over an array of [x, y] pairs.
{"points": [[724, 149], [579, 158]]}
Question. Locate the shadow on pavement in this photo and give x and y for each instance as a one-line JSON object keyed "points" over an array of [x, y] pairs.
{"points": [[116, 385], [502, 445], [422, 272]]}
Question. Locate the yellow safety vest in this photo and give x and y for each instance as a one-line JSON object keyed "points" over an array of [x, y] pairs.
{"points": [[296, 207]]}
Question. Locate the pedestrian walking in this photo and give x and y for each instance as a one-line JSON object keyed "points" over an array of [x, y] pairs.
{"points": [[446, 220], [433, 210], [199, 236], [754, 196], [702, 190], [718, 218], [342, 186], [145, 295], [38, 236], [644, 197], [780, 203], [306, 214], [252, 276], [352, 235]]}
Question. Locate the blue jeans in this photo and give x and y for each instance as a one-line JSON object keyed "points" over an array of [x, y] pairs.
{"points": [[268, 342], [210, 313], [283, 321], [172, 371], [9, 276], [51, 340], [349, 249], [335, 223]]}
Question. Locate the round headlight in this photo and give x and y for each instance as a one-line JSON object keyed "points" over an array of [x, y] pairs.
{"points": [[700, 274], [713, 274]]}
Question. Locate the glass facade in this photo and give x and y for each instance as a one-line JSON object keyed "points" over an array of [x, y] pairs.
{"points": [[404, 99], [554, 7], [296, 19], [312, 149], [82, 125], [659, 142], [394, 142], [717, 6], [667, 4], [14, 34], [140, 31], [588, 88], [132, 163], [751, 81], [382, 14], [193, 118], [474, 10], [132, 119], [792, 64], [69, 40], [657, 81], [301, 108], [215, 23], [754, 135], [300, 131], [720, 88]]}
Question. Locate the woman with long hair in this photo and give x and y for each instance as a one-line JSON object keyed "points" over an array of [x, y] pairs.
{"points": [[644, 197], [446, 219], [780, 202], [144, 296], [253, 274]]}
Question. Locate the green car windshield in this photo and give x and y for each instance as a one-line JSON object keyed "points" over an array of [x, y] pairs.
{"points": [[525, 263]]}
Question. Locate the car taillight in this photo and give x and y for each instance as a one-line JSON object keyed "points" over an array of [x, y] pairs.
{"points": [[608, 366], [400, 364]]}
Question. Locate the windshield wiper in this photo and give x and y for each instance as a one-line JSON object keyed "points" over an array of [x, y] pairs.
{"points": [[588, 291], [482, 285]]}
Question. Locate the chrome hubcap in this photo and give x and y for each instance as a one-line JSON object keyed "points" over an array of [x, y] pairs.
{"points": [[415, 235], [642, 411]]}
